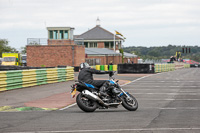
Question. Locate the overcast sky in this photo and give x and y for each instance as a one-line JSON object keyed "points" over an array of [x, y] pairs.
{"points": [[142, 22]]}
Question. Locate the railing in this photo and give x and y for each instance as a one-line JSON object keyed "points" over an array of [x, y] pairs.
{"points": [[37, 41], [25, 78]]}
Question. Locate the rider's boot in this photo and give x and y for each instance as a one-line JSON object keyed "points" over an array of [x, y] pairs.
{"points": [[102, 90]]}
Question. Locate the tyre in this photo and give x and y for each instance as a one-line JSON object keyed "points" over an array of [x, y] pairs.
{"points": [[129, 104], [85, 104]]}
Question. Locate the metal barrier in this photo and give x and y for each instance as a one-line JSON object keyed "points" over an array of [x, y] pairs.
{"points": [[167, 67], [164, 67], [25, 78], [187, 65], [135, 68]]}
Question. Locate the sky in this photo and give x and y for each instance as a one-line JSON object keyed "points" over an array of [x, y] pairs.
{"points": [[143, 22]]}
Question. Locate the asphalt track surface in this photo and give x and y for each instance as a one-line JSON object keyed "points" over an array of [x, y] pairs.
{"points": [[168, 103]]}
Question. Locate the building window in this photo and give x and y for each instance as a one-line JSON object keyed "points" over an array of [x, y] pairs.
{"points": [[55, 34], [92, 45], [111, 44], [66, 34], [108, 44], [58, 34], [50, 34], [61, 34], [86, 44]]}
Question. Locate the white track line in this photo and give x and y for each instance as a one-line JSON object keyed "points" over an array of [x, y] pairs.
{"points": [[115, 130], [68, 106]]}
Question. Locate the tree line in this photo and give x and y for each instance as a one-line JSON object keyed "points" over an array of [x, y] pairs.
{"points": [[155, 53], [4, 47], [164, 52]]}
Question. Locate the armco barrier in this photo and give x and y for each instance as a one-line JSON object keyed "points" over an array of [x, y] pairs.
{"points": [[135, 68], [194, 65], [26, 78], [164, 67]]}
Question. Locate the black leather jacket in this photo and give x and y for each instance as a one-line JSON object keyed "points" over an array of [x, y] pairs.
{"points": [[86, 75]]}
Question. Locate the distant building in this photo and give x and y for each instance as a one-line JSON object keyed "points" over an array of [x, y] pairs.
{"points": [[99, 37], [60, 50], [95, 46], [60, 35], [102, 56]]}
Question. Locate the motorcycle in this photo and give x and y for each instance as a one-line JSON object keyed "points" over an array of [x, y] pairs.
{"points": [[89, 99]]}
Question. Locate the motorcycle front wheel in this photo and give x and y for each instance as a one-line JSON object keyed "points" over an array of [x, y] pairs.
{"points": [[85, 104], [130, 104]]}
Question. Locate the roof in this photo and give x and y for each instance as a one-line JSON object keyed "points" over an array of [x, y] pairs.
{"points": [[100, 51], [98, 33], [129, 55], [59, 28]]}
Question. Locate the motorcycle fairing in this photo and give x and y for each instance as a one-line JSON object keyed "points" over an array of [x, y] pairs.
{"points": [[89, 85], [112, 82]]}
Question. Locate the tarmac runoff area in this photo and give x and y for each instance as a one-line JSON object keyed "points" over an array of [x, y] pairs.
{"points": [[168, 103], [56, 101]]}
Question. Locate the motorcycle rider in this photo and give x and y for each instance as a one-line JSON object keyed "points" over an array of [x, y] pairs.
{"points": [[86, 75]]}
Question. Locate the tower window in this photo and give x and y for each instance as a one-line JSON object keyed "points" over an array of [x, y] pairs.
{"points": [[66, 34], [51, 34]]}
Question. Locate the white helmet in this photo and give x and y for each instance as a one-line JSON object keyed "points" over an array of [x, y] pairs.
{"points": [[84, 65]]}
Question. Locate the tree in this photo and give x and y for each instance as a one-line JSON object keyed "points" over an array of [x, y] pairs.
{"points": [[164, 52], [5, 48], [23, 50]]}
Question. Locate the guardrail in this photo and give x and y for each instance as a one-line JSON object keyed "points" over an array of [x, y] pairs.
{"points": [[168, 67], [164, 67], [186, 65], [25, 78]]}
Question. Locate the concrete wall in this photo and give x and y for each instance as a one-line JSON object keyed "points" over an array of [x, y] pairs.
{"points": [[54, 55]]}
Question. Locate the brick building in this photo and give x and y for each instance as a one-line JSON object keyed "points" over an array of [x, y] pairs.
{"points": [[60, 36], [96, 46], [97, 41], [60, 51], [102, 56], [98, 37], [55, 55]]}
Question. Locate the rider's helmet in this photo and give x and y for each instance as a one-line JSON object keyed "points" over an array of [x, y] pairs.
{"points": [[84, 65]]}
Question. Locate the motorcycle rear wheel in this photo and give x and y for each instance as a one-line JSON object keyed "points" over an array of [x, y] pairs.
{"points": [[131, 105], [85, 104]]}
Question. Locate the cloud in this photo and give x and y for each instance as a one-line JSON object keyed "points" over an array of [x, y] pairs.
{"points": [[134, 18]]}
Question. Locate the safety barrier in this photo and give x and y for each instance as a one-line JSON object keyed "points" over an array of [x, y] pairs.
{"points": [[186, 65], [164, 67], [105, 67], [26, 78], [169, 67], [135, 68]]}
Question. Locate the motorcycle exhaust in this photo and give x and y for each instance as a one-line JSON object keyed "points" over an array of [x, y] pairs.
{"points": [[90, 95]]}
